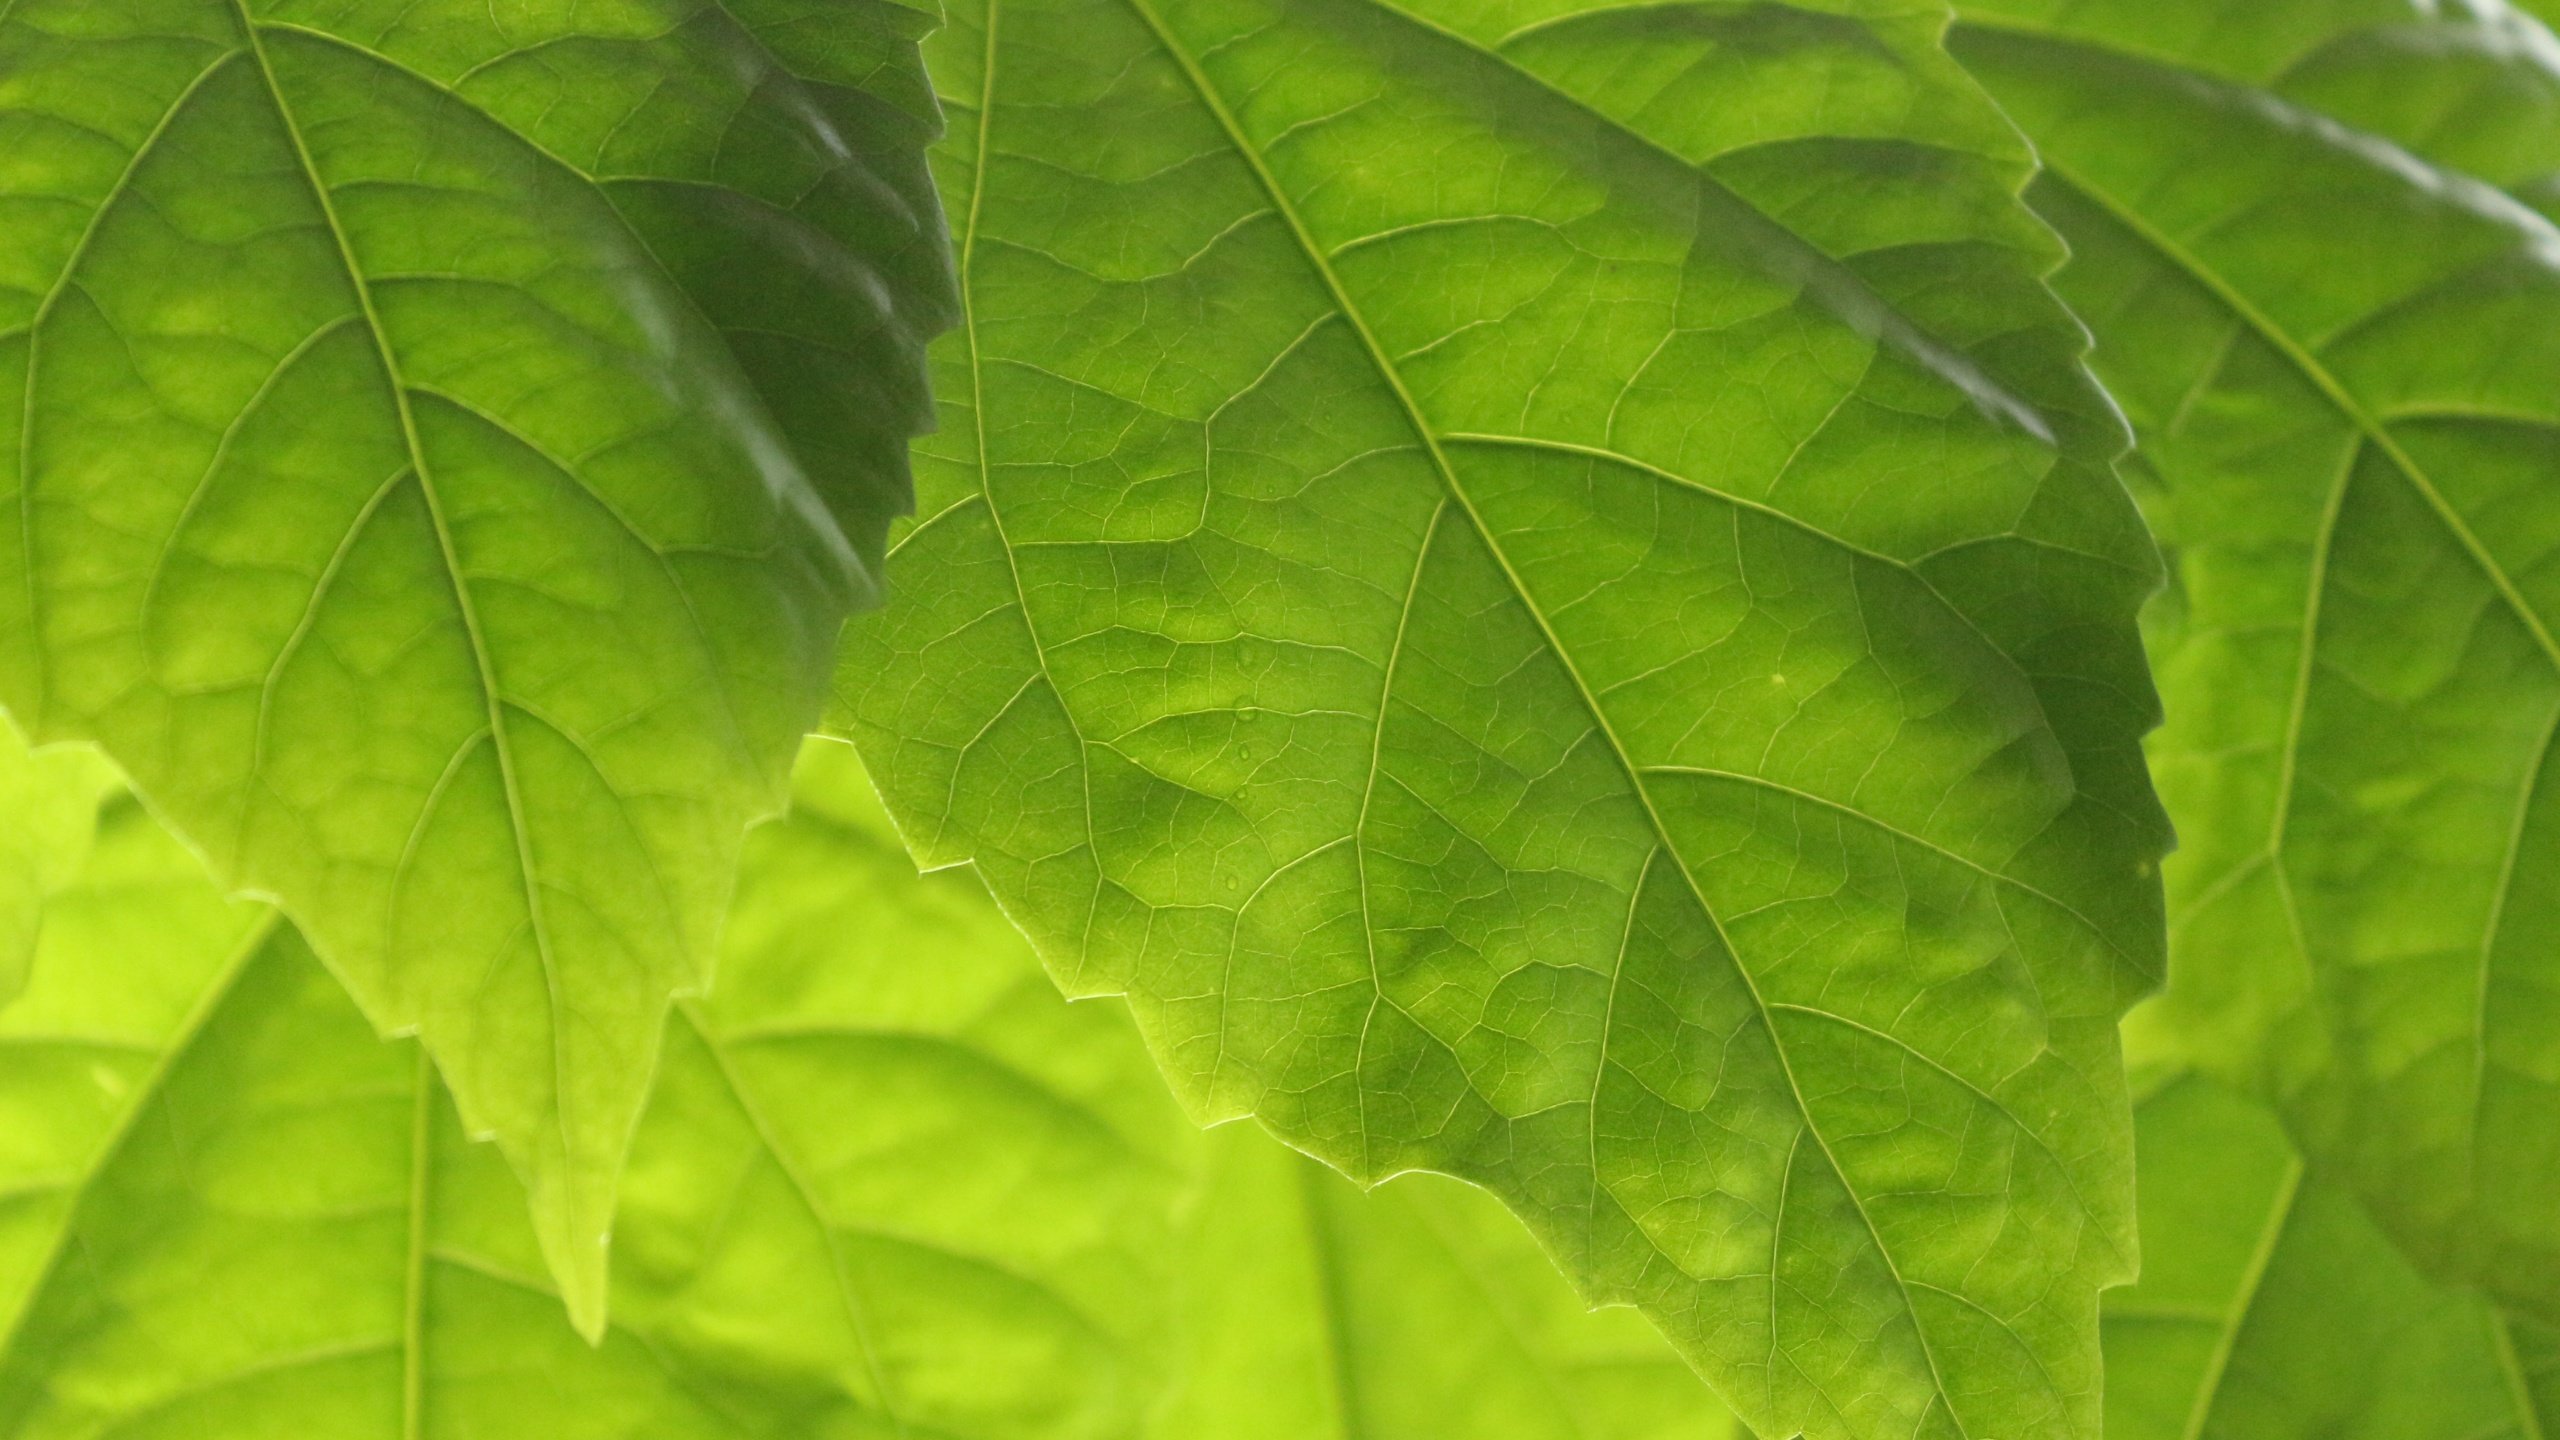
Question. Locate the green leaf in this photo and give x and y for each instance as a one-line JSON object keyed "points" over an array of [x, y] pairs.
{"points": [[888, 1183], [2340, 358], [440, 443], [1315, 1312], [1539, 584], [2272, 1307], [865, 1199], [51, 800], [2537, 1349], [2473, 86]]}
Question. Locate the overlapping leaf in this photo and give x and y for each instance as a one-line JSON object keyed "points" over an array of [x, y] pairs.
{"points": [[438, 443], [1540, 585], [888, 1184], [1314, 1312], [2271, 1306], [2343, 361], [866, 1199]]}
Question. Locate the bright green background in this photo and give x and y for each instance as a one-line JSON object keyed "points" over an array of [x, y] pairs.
{"points": [[2340, 358], [888, 1183]]}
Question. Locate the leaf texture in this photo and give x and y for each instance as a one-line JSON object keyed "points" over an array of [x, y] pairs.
{"points": [[2339, 356], [888, 1184], [1539, 584], [438, 444], [2272, 1307]]}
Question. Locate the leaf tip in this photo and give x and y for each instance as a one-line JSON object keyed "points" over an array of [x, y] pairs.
{"points": [[583, 1271]]}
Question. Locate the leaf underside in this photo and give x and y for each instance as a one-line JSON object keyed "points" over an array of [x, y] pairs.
{"points": [[2340, 356], [1541, 587], [438, 445]]}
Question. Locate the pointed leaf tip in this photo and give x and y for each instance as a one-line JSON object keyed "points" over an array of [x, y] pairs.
{"points": [[475, 483]]}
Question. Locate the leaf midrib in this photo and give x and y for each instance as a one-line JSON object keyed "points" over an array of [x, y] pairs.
{"points": [[1332, 1304], [481, 659], [660, 556], [413, 1317], [1314, 254]]}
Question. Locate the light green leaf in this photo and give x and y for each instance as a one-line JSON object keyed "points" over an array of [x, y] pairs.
{"points": [[2341, 360], [865, 1200], [1314, 1312], [888, 1185], [2272, 1307], [1540, 585], [48, 807], [440, 442]]}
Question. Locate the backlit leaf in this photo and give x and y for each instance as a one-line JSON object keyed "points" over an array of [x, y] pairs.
{"points": [[440, 442], [2343, 362], [48, 807], [1539, 584], [888, 1184], [1315, 1312], [2272, 1307]]}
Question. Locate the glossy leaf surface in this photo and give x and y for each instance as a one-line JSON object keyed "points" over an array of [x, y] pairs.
{"points": [[1540, 585], [2343, 362], [440, 442]]}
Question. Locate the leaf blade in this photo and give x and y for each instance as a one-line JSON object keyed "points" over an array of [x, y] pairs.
{"points": [[430, 482], [870, 1196], [1257, 652], [2310, 1320]]}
